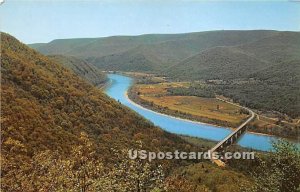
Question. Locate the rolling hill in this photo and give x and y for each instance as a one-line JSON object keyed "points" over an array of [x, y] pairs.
{"points": [[223, 63], [269, 60], [82, 68], [137, 59], [97, 47], [242, 61], [46, 107], [56, 128], [263, 74], [150, 51]]}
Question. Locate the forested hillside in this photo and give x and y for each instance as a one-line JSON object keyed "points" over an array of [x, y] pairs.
{"points": [[81, 68], [60, 133], [97, 47], [147, 52], [263, 74], [242, 61], [259, 69], [46, 107]]}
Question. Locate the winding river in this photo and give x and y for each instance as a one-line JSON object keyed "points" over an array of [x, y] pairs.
{"points": [[118, 89]]}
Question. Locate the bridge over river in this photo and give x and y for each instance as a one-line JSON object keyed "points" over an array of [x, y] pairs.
{"points": [[231, 138], [118, 88]]}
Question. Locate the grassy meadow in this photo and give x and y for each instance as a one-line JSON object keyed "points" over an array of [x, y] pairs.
{"points": [[206, 108]]}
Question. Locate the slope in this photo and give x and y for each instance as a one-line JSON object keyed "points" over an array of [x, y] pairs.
{"points": [[137, 59], [242, 61], [45, 106], [216, 63], [81, 68], [60, 46], [158, 56], [94, 47], [167, 49], [262, 74]]}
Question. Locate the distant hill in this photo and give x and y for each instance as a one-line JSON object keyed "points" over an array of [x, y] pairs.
{"points": [[82, 68], [58, 46], [242, 61], [147, 52], [157, 52], [137, 59], [216, 63], [270, 59], [268, 69], [37, 45], [97, 47]]}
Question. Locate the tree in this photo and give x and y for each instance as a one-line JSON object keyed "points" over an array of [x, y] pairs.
{"points": [[82, 171], [280, 171], [134, 175]]}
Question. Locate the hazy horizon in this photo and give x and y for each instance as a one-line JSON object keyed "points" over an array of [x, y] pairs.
{"points": [[43, 21]]}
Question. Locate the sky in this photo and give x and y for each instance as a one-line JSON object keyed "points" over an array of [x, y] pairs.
{"points": [[34, 21]]}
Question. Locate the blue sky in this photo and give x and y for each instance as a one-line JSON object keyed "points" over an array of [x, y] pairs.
{"points": [[43, 21]]}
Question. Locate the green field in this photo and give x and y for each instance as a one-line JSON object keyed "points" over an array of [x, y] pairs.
{"points": [[207, 108]]}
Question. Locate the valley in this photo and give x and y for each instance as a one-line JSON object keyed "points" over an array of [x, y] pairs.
{"points": [[182, 126], [149, 96], [181, 99], [256, 68], [58, 129], [54, 113]]}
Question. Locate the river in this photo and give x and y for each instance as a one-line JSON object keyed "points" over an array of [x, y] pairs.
{"points": [[117, 90]]}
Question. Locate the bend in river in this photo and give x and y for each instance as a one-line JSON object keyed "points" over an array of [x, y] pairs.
{"points": [[118, 91]]}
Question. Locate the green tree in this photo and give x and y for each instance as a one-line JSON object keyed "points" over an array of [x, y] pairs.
{"points": [[280, 171], [81, 171]]}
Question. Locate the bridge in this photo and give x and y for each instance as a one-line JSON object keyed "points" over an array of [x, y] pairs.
{"points": [[231, 138]]}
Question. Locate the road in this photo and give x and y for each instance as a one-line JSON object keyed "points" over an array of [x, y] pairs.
{"points": [[235, 133]]}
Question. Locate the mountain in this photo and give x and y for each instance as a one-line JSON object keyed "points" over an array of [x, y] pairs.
{"points": [[147, 52], [95, 47], [263, 74], [46, 107], [216, 63], [267, 60], [59, 46], [61, 133], [81, 68], [37, 45], [137, 59], [242, 61]]}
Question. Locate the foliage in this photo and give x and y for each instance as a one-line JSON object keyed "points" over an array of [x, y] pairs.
{"points": [[255, 95], [45, 107], [262, 74], [151, 52], [203, 177], [196, 90], [82, 68], [271, 58], [280, 171], [82, 171]]}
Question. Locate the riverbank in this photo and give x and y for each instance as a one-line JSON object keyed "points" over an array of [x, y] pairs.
{"points": [[121, 84], [206, 144], [200, 142], [170, 114], [156, 95]]}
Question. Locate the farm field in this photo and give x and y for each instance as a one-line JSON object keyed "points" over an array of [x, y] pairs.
{"points": [[205, 109], [208, 108]]}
